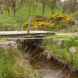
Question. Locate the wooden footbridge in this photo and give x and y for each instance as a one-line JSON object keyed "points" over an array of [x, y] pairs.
{"points": [[31, 34], [25, 34]]}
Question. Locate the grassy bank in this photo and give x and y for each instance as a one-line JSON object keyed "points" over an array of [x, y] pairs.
{"points": [[13, 64], [64, 49]]}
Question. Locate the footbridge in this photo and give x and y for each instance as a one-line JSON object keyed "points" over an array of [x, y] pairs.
{"points": [[30, 34], [25, 34]]}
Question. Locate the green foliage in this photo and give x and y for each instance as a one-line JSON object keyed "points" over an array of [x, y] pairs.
{"points": [[61, 48], [6, 63], [27, 8], [12, 65], [10, 22]]}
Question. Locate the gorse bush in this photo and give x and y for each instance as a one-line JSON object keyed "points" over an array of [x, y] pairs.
{"points": [[56, 22]]}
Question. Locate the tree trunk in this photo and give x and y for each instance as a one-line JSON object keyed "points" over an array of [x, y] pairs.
{"points": [[43, 9]]}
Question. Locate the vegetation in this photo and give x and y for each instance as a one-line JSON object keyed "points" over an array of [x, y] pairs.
{"points": [[52, 15], [12, 64], [64, 49], [15, 14], [56, 22]]}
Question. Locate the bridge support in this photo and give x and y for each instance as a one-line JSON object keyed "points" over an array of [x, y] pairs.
{"points": [[30, 46]]}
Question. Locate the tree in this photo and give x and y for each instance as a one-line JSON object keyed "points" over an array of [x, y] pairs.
{"points": [[1, 7], [70, 5], [13, 6], [7, 4]]}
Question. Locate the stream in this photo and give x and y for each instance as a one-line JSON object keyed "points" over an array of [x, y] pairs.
{"points": [[47, 68]]}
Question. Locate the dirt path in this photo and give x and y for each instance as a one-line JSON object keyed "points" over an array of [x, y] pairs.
{"points": [[51, 73], [50, 69], [47, 68]]}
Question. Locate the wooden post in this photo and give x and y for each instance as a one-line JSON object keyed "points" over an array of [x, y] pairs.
{"points": [[30, 24]]}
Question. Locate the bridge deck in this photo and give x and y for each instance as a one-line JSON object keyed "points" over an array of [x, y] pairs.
{"points": [[23, 32]]}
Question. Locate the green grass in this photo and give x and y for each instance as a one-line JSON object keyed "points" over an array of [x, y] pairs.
{"points": [[12, 65], [60, 49], [9, 22]]}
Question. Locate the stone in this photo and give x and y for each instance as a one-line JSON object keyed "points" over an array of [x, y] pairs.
{"points": [[72, 50], [60, 43]]}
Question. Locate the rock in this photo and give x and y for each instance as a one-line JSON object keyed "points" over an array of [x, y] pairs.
{"points": [[60, 43], [47, 54], [72, 50], [12, 44], [8, 44]]}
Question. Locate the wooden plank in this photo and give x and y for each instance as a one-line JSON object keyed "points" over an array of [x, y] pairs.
{"points": [[34, 33], [23, 32]]}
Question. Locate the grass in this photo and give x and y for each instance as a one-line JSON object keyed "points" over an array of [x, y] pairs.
{"points": [[10, 22], [60, 49], [13, 64], [22, 16]]}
